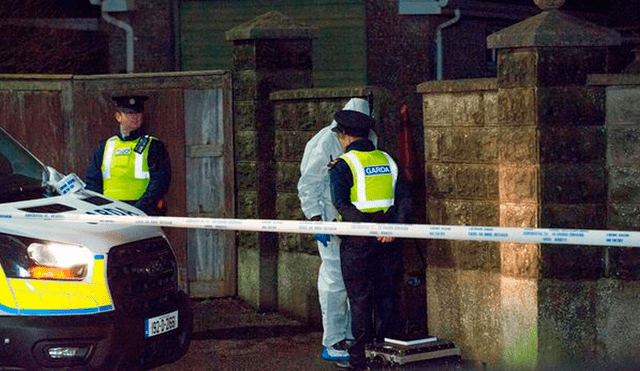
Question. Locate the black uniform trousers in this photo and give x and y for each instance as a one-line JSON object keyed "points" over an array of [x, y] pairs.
{"points": [[371, 272]]}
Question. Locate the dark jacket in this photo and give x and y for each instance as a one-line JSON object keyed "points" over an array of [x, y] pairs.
{"points": [[342, 180], [159, 173]]}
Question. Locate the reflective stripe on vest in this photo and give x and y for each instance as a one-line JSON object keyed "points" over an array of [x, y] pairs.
{"points": [[374, 180], [125, 173]]}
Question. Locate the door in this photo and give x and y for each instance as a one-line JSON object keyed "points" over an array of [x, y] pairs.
{"points": [[209, 192]]}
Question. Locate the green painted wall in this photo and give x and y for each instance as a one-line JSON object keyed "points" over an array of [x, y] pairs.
{"points": [[339, 50]]}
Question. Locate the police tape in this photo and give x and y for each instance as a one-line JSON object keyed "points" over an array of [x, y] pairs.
{"points": [[420, 231]]}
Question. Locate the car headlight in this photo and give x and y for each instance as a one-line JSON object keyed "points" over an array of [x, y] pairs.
{"points": [[37, 259]]}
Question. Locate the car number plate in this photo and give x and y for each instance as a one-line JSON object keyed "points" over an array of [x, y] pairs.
{"points": [[160, 324]]}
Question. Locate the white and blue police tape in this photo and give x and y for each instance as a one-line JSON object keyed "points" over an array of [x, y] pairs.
{"points": [[423, 231]]}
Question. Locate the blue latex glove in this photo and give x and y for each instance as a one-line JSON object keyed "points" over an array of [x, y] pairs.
{"points": [[323, 238]]}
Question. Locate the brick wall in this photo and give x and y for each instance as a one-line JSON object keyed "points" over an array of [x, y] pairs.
{"points": [[537, 147], [299, 115], [463, 145], [154, 38], [622, 156]]}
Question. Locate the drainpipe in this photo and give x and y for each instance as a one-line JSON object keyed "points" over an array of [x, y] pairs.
{"points": [[123, 25], [448, 23], [129, 30]]}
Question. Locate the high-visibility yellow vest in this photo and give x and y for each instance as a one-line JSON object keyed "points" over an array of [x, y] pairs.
{"points": [[374, 180], [125, 172]]}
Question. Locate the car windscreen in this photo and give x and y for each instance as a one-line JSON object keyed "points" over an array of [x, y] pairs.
{"points": [[21, 174]]}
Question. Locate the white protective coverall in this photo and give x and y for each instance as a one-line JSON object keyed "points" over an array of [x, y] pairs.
{"points": [[315, 198]]}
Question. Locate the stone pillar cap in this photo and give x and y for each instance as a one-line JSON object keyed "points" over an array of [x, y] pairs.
{"points": [[271, 25], [553, 28]]}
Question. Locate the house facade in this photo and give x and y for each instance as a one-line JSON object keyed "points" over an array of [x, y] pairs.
{"points": [[376, 42]]}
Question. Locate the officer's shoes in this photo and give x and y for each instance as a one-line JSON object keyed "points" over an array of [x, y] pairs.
{"points": [[343, 344]]}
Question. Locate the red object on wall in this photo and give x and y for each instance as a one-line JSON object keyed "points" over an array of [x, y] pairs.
{"points": [[407, 155]]}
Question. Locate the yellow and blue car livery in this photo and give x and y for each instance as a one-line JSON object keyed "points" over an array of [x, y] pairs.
{"points": [[87, 296], [81, 296], [40, 297]]}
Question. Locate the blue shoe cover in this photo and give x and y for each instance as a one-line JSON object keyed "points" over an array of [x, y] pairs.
{"points": [[333, 355]]}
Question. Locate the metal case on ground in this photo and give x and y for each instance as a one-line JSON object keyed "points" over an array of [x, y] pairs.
{"points": [[396, 354]]}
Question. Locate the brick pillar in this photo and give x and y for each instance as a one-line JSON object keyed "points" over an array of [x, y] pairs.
{"points": [[552, 175], [271, 52], [526, 149]]}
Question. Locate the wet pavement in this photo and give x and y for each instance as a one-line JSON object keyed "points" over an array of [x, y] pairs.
{"points": [[231, 336]]}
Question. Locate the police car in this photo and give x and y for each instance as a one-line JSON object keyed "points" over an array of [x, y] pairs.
{"points": [[81, 296]]}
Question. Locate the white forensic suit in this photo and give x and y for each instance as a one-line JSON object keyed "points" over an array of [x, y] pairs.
{"points": [[315, 198]]}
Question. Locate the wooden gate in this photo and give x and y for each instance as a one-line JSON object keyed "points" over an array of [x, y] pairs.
{"points": [[207, 168], [62, 118]]}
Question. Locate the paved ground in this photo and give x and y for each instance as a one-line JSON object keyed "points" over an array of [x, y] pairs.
{"points": [[231, 336]]}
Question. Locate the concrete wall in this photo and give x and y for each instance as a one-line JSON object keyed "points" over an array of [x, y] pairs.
{"points": [[528, 306], [264, 61], [545, 144], [299, 115], [462, 138], [537, 146], [619, 290], [272, 53]]}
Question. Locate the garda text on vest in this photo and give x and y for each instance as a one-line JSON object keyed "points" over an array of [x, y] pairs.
{"points": [[377, 170]]}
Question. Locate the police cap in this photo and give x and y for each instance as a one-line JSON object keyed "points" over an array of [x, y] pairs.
{"points": [[353, 123], [130, 103]]}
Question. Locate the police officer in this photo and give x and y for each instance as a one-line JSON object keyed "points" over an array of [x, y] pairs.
{"points": [[315, 200], [368, 186], [131, 166]]}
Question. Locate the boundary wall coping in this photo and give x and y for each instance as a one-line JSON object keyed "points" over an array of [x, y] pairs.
{"points": [[314, 93], [454, 86], [608, 79]]}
